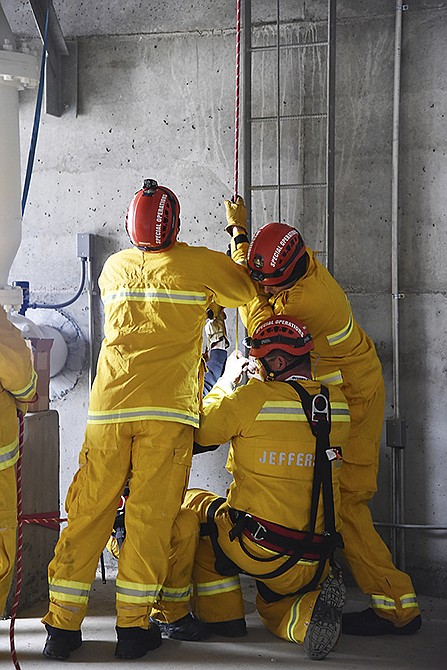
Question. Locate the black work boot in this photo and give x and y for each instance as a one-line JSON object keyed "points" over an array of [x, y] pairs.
{"points": [[188, 628], [368, 622], [233, 628], [61, 642], [136, 642], [325, 624]]}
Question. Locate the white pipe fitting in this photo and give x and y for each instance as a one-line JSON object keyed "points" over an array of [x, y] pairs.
{"points": [[18, 70]]}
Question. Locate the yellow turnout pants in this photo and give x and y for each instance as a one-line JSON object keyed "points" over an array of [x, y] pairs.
{"points": [[391, 590], [177, 590], [218, 598], [8, 531], [156, 457]]}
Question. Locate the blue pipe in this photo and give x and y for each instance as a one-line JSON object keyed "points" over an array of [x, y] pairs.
{"points": [[37, 113]]}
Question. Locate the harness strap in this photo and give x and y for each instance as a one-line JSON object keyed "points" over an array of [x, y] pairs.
{"points": [[226, 567], [223, 565], [271, 596], [289, 563], [275, 537], [320, 424]]}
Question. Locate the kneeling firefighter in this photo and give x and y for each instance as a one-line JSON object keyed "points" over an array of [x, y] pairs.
{"points": [[280, 521]]}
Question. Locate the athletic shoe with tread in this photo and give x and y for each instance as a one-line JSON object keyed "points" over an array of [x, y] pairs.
{"points": [[61, 642], [368, 623], [188, 629], [325, 624], [135, 642]]}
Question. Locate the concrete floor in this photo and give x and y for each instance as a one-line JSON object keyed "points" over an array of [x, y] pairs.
{"points": [[427, 650]]}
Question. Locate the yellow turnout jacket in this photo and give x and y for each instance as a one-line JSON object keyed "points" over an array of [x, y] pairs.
{"points": [[155, 309], [272, 448], [18, 382], [344, 354]]}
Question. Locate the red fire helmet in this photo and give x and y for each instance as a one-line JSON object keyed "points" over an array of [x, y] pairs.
{"points": [[273, 253], [153, 217], [283, 333]]}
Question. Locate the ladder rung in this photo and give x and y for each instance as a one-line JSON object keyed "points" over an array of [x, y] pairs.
{"points": [[289, 116], [274, 187], [301, 45]]}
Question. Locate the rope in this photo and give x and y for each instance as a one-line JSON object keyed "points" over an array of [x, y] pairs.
{"points": [[15, 604], [236, 106], [46, 519], [236, 128]]}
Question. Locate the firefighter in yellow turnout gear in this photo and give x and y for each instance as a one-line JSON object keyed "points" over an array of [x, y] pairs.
{"points": [[268, 526], [292, 281], [143, 409], [18, 381]]}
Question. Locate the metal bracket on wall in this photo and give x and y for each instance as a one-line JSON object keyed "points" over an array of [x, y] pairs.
{"points": [[62, 62], [396, 433]]}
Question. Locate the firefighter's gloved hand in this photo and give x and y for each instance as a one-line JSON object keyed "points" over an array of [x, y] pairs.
{"points": [[215, 330], [235, 367], [236, 215], [252, 370]]}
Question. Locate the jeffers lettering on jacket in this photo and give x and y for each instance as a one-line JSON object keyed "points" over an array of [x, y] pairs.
{"points": [[284, 458]]}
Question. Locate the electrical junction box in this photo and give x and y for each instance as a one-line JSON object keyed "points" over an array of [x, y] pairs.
{"points": [[85, 245]]}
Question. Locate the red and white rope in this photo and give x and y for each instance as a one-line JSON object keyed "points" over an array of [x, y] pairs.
{"points": [[236, 128], [48, 519], [236, 106], [15, 604]]}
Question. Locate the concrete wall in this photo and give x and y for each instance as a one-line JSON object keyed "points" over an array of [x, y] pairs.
{"points": [[156, 99]]}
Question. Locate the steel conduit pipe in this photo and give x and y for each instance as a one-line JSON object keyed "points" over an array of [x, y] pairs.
{"points": [[91, 326], [419, 526], [330, 135], [396, 427]]}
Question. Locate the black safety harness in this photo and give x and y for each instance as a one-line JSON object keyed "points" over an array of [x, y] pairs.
{"points": [[296, 545]]}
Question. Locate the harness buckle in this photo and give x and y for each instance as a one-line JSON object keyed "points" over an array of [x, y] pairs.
{"points": [[260, 529], [321, 412]]}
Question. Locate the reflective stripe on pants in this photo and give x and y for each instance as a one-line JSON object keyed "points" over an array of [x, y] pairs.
{"points": [[157, 456]]}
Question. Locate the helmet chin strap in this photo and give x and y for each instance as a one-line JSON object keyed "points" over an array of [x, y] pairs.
{"points": [[271, 374]]}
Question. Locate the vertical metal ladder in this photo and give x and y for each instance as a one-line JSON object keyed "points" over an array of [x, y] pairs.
{"points": [[289, 157]]}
